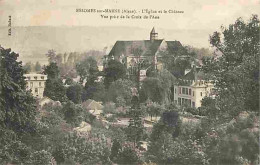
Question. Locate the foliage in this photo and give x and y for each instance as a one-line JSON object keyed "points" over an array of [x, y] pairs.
{"points": [[52, 71], [11, 148], [88, 69], [154, 109], [236, 71], [120, 102], [114, 71], [54, 88], [122, 89], [73, 114], [68, 81], [158, 88], [115, 149], [28, 67], [96, 91], [82, 150], [128, 156], [41, 158], [17, 105], [109, 107], [74, 93], [135, 130], [38, 67]]}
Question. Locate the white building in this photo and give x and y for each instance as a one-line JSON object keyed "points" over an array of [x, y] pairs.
{"points": [[191, 89], [36, 83]]}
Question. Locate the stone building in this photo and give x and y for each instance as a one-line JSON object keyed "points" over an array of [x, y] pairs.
{"points": [[36, 83], [192, 88], [143, 54]]}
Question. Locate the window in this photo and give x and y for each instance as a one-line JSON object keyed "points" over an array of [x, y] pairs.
{"points": [[193, 93], [179, 101], [183, 91], [40, 84], [193, 104], [186, 91], [189, 91], [35, 77], [182, 101], [179, 90], [42, 77], [175, 90], [31, 84], [36, 90], [189, 102], [200, 93]]}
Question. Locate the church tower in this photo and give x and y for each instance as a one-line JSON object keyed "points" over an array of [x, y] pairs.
{"points": [[153, 35]]}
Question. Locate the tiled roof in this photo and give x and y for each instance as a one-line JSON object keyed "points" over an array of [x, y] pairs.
{"points": [[174, 46], [126, 47], [149, 47], [92, 105]]}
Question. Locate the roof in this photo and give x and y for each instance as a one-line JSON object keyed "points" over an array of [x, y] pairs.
{"points": [[92, 105], [35, 76], [126, 47], [191, 75], [174, 46], [149, 47], [153, 30]]}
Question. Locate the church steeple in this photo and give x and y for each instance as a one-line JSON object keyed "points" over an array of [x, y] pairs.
{"points": [[153, 35]]}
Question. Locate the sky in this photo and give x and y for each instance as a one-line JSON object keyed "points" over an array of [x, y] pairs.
{"points": [[193, 27], [198, 14]]}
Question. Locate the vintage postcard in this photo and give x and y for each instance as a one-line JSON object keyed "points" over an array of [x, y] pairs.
{"points": [[129, 82]]}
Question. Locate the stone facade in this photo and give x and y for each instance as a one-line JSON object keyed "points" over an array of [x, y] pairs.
{"points": [[36, 83]]}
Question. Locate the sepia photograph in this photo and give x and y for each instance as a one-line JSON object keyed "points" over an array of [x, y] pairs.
{"points": [[119, 82]]}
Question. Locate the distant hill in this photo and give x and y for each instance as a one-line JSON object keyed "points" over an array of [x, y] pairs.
{"points": [[32, 43]]}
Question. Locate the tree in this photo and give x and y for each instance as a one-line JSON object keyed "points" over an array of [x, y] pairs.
{"points": [[87, 69], [73, 114], [128, 156], [38, 67], [95, 91], [54, 88], [74, 93], [17, 110], [114, 71], [28, 67], [52, 71], [51, 54], [154, 109], [158, 88], [120, 88], [236, 71], [135, 130], [17, 105]]}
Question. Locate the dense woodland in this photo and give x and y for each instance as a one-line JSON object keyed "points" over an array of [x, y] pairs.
{"points": [[226, 129]]}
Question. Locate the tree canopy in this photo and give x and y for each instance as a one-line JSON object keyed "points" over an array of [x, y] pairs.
{"points": [[17, 105], [236, 71], [114, 71]]}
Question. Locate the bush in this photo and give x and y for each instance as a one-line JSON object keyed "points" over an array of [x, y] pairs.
{"points": [[109, 107], [41, 158]]}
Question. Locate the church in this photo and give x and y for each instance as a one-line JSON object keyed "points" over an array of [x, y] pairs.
{"points": [[189, 90], [143, 53]]}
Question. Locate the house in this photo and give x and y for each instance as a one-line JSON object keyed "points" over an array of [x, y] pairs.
{"points": [[94, 107], [83, 129], [36, 83], [45, 100], [143, 54], [192, 88]]}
